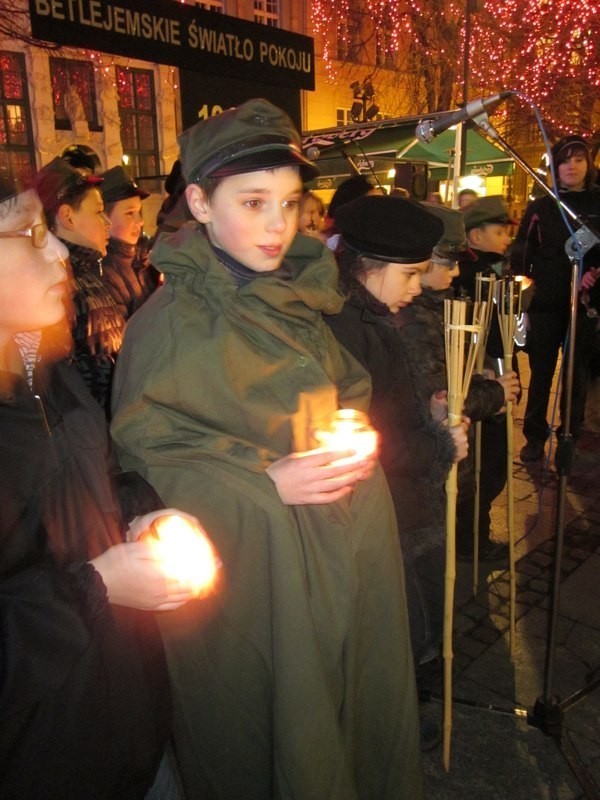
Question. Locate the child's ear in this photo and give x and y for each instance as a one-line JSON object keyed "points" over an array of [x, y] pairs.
{"points": [[198, 203], [474, 237], [64, 217]]}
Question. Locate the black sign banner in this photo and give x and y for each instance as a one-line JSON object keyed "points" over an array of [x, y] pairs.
{"points": [[179, 35]]}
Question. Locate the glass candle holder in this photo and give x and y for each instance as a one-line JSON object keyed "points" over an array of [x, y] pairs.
{"points": [[347, 429], [185, 551]]}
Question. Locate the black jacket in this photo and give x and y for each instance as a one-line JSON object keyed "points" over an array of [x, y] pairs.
{"points": [[128, 275], [421, 327], [539, 249], [97, 325], [84, 698], [414, 449]]}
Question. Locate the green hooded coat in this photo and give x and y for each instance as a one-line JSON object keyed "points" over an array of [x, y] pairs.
{"points": [[295, 680]]}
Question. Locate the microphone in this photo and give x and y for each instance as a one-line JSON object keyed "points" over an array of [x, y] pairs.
{"points": [[428, 129], [313, 152]]}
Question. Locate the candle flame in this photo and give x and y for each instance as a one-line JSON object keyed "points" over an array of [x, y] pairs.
{"points": [[348, 430], [185, 551]]}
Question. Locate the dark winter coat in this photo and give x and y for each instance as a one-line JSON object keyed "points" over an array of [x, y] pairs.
{"points": [[128, 279], [84, 699], [421, 327], [415, 451], [539, 249], [97, 325]]}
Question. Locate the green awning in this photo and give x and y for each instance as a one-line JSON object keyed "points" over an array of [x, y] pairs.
{"points": [[376, 146]]}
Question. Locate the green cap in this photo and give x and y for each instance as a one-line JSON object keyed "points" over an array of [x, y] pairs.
{"points": [[454, 238], [254, 136], [487, 210]]}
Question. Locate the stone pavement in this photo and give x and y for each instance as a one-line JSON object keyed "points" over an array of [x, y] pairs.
{"points": [[499, 750]]}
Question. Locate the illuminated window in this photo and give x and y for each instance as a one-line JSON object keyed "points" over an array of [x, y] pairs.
{"points": [[137, 110], [16, 140], [73, 93], [267, 12], [218, 6], [211, 5]]}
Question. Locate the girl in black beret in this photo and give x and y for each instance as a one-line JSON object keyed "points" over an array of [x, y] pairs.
{"points": [[386, 244]]}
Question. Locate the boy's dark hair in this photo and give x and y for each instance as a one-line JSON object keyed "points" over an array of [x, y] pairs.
{"points": [[75, 200], [569, 146], [209, 186]]}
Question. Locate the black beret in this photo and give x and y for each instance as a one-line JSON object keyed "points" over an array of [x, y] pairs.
{"points": [[254, 136], [389, 228], [117, 185]]}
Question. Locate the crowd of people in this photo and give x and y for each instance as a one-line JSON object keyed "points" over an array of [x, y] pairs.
{"points": [[216, 353]]}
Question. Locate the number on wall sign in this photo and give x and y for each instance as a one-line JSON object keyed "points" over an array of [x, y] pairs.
{"points": [[203, 113]]}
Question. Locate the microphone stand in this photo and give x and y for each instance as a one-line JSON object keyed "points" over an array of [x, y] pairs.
{"points": [[547, 714]]}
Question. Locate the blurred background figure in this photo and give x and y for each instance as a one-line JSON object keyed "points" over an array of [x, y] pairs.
{"points": [[435, 197], [350, 189], [466, 197], [82, 158], [311, 220]]}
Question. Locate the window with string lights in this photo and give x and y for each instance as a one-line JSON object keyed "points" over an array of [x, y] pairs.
{"points": [[139, 137], [16, 139], [73, 93], [349, 37]]}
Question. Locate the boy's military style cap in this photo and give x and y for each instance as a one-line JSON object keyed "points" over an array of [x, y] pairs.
{"points": [[389, 228], [454, 238], [117, 185], [57, 182], [487, 210], [254, 136]]}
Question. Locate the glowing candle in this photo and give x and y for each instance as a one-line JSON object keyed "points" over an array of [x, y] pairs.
{"points": [[347, 429], [185, 551]]}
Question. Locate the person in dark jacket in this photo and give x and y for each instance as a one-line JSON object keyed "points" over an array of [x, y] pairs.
{"points": [[422, 330], [74, 209], [84, 696], [386, 243], [539, 252], [487, 223], [126, 269]]}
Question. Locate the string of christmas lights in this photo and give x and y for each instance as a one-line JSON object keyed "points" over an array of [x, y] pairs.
{"points": [[547, 49]]}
